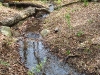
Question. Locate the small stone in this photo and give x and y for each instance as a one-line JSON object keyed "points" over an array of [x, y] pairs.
{"points": [[56, 29], [5, 30], [45, 32]]}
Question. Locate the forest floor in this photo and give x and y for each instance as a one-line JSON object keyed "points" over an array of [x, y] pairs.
{"points": [[75, 35], [10, 63], [76, 41]]}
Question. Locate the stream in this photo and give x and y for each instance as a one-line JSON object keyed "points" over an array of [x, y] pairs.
{"points": [[38, 59]]}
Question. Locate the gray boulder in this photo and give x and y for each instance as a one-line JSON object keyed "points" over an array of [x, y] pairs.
{"points": [[45, 32], [5, 30]]}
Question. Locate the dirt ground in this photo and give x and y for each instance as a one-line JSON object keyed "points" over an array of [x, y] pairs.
{"points": [[77, 38], [76, 41], [10, 63]]}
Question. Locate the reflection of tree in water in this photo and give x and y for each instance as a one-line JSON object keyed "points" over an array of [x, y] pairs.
{"points": [[33, 54], [34, 45], [36, 51], [25, 51]]}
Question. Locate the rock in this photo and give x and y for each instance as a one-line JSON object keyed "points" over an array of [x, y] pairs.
{"points": [[56, 29], [5, 30], [6, 4], [45, 32]]}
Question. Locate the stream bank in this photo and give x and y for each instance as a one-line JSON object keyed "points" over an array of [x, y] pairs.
{"points": [[75, 36]]}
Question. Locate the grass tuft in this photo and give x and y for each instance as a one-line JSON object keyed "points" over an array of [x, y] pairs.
{"points": [[85, 3], [67, 16]]}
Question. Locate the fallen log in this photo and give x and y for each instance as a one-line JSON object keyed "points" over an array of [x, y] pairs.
{"points": [[17, 17], [22, 4], [10, 21], [32, 9]]}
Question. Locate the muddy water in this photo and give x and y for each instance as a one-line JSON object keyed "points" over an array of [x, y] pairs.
{"points": [[33, 53]]}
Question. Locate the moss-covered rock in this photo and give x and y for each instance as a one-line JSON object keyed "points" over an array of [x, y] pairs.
{"points": [[6, 31]]}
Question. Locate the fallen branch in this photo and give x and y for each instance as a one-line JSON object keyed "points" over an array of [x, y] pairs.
{"points": [[65, 5], [22, 4], [74, 3], [70, 56]]}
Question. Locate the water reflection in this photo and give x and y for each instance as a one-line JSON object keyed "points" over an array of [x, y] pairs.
{"points": [[33, 52]]}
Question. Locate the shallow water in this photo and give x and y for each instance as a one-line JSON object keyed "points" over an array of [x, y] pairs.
{"points": [[33, 53], [37, 58]]}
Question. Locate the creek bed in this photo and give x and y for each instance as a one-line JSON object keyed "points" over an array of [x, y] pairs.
{"points": [[38, 59]]}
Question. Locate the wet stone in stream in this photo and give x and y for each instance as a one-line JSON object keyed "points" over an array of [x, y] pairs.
{"points": [[36, 57]]}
